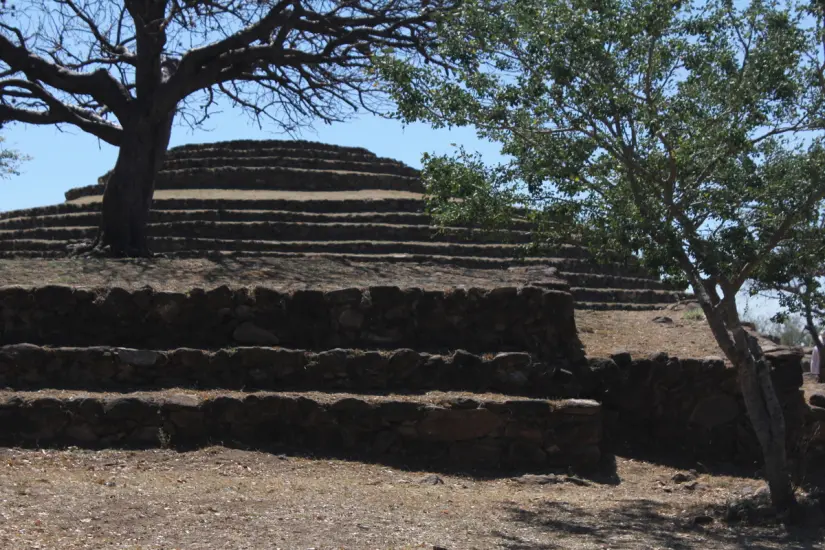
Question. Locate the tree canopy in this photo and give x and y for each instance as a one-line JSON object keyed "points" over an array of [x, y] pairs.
{"points": [[294, 62], [687, 133], [10, 160], [125, 71]]}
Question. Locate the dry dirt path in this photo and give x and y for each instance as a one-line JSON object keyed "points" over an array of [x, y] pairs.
{"points": [[221, 498]]}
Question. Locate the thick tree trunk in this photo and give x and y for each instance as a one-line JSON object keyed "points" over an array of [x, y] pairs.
{"points": [[129, 190]]}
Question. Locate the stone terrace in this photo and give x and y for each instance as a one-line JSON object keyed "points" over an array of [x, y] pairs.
{"points": [[368, 373], [302, 199]]}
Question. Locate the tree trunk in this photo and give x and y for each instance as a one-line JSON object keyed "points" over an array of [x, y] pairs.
{"points": [[128, 194], [765, 413], [761, 402]]}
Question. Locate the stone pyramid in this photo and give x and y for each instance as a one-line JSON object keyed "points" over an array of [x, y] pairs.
{"points": [[299, 198]]}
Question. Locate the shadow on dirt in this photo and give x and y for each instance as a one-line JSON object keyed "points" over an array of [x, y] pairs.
{"points": [[642, 524]]}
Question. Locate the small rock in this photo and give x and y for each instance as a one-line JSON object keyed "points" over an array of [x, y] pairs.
{"points": [[547, 479], [244, 312], [537, 479], [817, 399], [702, 520], [581, 407], [351, 319], [137, 357], [431, 479], [250, 333], [691, 485], [663, 320], [682, 477], [622, 358]]}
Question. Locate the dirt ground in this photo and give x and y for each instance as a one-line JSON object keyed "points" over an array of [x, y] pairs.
{"points": [[225, 498], [606, 332]]}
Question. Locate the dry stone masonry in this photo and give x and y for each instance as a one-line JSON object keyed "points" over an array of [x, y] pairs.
{"points": [[462, 432], [530, 319], [351, 372], [332, 202]]}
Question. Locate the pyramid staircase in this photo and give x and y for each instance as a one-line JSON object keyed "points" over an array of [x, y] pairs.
{"points": [[298, 199], [467, 379]]}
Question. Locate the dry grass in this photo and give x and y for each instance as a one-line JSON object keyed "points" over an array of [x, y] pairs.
{"points": [[238, 194], [605, 332], [224, 498]]}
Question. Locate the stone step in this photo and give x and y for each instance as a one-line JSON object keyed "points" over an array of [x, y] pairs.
{"points": [[596, 280], [57, 239], [286, 147], [360, 247], [466, 430], [380, 205], [361, 166], [300, 232], [58, 249], [29, 367], [620, 306], [505, 319], [92, 218], [635, 296], [262, 178]]}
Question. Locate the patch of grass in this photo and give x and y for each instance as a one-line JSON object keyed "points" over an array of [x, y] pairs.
{"points": [[695, 314]]}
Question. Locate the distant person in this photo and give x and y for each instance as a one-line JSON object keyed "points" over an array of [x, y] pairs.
{"points": [[815, 357]]}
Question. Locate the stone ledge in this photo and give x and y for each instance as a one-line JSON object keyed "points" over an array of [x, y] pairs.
{"points": [[297, 161], [452, 429], [294, 205], [525, 319], [254, 144], [258, 178], [690, 406], [29, 367], [456, 240]]}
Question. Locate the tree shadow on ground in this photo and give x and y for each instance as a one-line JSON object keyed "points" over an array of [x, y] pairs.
{"points": [[641, 524]]}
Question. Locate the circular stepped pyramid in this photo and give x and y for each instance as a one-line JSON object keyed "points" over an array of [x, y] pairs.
{"points": [[298, 198]]}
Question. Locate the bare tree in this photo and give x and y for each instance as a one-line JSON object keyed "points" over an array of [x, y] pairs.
{"points": [[123, 71]]}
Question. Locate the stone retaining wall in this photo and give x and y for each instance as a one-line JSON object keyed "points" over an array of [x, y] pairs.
{"points": [[260, 144], [460, 431], [29, 367], [422, 235], [312, 205], [257, 179], [369, 167], [690, 406], [504, 319]]}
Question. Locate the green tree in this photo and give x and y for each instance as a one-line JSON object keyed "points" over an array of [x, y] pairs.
{"points": [[10, 160], [124, 71], [686, 133], [795, 275]]}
